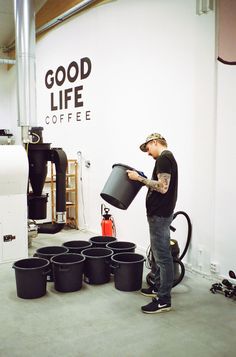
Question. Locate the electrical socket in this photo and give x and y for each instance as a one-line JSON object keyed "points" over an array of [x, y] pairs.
{"points": [[214, 267], [87, 163], [200, 249]]}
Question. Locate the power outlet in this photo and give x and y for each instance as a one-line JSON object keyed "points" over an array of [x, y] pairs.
{"points": [[214, 267]]}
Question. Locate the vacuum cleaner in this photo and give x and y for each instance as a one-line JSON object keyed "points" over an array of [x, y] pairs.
{"points": [[179, 269]]}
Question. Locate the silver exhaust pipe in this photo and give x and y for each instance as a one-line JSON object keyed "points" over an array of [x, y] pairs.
{"points": [[25, 63]]}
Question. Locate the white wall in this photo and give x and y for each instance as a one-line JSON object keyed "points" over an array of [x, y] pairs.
{"points": [[4, 95], [8, 104], [153, 69], [150, 61], [225, 242]]}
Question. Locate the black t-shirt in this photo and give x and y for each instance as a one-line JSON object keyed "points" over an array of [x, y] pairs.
{"points": [[157, 203]]}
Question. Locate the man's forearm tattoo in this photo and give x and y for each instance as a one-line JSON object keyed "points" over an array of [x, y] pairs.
{"points": [[161, 185]]}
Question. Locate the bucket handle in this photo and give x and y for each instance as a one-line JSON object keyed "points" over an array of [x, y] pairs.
{"points": [[114, 266], [108, 261], [46, 272]]}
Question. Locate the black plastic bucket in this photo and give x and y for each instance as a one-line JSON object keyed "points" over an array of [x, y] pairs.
{"points": [[76, 246], [48, 253], [119, 190], [121, 247], [37, 206], [101, 241], [31, 277], [68, 271], [97, 265], [128, 271]]}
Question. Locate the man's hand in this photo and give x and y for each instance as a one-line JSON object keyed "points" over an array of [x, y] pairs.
{"points": [[133, 175]]}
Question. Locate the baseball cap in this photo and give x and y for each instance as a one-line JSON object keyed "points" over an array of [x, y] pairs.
{"points": [[154, 136]]}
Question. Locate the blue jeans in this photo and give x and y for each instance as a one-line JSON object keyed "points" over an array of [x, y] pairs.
{"points": [[159, 228]]}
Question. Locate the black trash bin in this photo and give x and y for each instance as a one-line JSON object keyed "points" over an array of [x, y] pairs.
{"points": [[68, 271], [128, 271], [31, 277], [101, 241], [119, 190], [76, 246], [97, 265], [48, 253], [121, 247]]}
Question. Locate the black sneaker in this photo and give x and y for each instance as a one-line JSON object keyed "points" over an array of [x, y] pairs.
{"points": [[157, 305], [150, 292]]}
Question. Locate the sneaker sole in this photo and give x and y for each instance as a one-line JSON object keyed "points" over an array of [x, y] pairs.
{"points": [[149, 295], [166, 309]]}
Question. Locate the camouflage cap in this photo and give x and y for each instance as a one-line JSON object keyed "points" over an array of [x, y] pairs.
{"points": [[154, 136]]}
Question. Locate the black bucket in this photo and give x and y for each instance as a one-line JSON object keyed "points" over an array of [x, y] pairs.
{"points": [[121, 247], [76, 246], [48, 253], [97, 265], [37, 206], [119, 190], [31, 277], [101, 241], [128, 271], [68, 271]]}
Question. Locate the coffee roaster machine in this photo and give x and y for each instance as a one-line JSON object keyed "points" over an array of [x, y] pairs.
{"points": [[23, 170], [13, 202]]}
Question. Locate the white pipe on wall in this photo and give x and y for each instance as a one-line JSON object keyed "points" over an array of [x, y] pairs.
{"points": [[7, 61], [25, 64], [64, 16]]}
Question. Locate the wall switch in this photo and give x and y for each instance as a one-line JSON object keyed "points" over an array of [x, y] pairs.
{"points": [[214, 267]]}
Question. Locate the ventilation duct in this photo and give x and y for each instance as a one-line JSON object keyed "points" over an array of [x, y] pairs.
{"points": [[25, 65]]}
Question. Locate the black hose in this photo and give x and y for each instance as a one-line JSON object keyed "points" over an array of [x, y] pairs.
{"points": [[177, 260], [189, 235], [58, 157]]}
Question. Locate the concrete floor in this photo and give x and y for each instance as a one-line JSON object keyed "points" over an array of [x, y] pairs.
{"points": [[102, 321]]}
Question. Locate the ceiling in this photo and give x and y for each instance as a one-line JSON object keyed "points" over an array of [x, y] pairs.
{"points": [[7, 28], [45, 11]]}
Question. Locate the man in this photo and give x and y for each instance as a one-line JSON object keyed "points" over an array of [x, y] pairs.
{"points": [[160, 203]]}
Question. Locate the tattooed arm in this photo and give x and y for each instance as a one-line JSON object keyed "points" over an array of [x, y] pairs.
{"points": [[161, 185]]}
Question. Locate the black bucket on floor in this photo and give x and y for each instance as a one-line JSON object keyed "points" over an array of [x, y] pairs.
{"points": [[31, 277], [97, 265], [128, 271], [76, 246], [121, 247], [119, 190], [101, 241], [68, 271], [48, 253]]}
